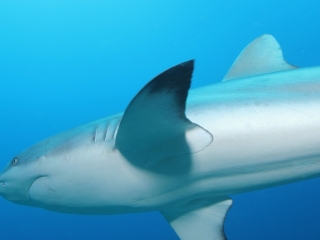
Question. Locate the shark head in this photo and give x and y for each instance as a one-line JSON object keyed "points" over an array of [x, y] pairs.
{"points": [[18, 176], [36, 164], [39, 174]]}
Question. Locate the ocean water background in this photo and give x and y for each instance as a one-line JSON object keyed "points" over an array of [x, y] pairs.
{"points": [[65, 63]]}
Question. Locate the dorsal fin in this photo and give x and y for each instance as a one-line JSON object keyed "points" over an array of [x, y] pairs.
{"points": [[262, 55]]}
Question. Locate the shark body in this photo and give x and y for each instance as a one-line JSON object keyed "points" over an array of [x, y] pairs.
{"points": [[182, 152]]}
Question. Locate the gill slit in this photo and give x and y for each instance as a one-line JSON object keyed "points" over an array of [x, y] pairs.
{"points": [[105, 137], [116, 130], [95, 135]]}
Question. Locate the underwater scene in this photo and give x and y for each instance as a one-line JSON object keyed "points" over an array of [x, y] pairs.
{"points": [[67, 63]]}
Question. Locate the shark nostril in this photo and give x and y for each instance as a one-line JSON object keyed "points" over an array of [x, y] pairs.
{"points": [[2, 183]]}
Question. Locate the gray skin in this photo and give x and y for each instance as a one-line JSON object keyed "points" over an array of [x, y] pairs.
{"points": [[181, 154]]}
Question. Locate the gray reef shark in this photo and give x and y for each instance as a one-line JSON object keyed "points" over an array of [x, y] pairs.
{"points": [[182, 152]]}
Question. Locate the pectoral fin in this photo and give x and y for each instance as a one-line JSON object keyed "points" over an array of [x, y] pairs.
{"points": [[154, 126], [200, 218]]}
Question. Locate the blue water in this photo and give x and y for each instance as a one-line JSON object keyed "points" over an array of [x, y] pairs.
{"points": [[65, 63]]}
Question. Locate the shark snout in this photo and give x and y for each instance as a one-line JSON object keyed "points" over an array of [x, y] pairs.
{"points": [[2, 184], [14, 188], [13, 194], [4, 190]]}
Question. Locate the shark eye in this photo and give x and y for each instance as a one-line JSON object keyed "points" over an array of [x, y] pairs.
{"points": [[14, 161]]}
